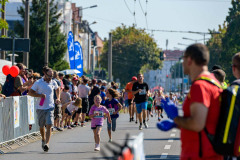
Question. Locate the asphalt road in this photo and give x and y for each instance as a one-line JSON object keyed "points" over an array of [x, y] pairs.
{"points": [[78, 143]]}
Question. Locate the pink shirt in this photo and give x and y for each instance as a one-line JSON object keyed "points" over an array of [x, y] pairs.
{"points": [[98, 120]]}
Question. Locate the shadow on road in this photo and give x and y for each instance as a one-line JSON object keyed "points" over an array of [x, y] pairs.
{"points": [[37, 152], [155, 157]]}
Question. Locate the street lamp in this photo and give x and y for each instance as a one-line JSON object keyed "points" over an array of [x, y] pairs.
{"points": [[195, 40], [93, 58], [183, 44]]}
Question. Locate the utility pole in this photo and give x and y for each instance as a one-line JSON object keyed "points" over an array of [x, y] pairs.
{"points": [[47, 35], [110, 57], [26, 33], [89, 51], [3, 53]]}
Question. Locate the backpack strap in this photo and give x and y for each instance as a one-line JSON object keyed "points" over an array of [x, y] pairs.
{"points": [[209, 80]]}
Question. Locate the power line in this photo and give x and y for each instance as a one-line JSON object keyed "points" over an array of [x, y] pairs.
{"points": [[134, 13], [127, 6], [144, 13]]}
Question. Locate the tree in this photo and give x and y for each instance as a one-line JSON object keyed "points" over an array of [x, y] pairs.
{"points": [[3, 22], [132, 50], [57, 40]]}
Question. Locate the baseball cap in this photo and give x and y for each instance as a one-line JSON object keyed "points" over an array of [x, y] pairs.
{"points": [[134, 78], [75, 78]]}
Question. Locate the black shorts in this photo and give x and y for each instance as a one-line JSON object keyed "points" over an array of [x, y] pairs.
{"points": [[149, 109], [79, 110], [57, 111], [129, 102], [85, 105], [96, 126], [159, 107], [67, 112]]}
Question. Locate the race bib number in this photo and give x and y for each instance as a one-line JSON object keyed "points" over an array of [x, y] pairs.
{"points": [[149, 102], [111, 110], [98, 114], [142, 92]]}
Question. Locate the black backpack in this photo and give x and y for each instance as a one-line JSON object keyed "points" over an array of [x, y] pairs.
{"points": [[8, 87], [226, 140]]}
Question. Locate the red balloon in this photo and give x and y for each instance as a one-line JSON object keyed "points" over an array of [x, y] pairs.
{"points": [[14, 71], [6, 70]]}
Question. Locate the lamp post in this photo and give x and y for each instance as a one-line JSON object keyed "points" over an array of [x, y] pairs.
{"points": [[183, 44], [93, 58], [195, 40]]}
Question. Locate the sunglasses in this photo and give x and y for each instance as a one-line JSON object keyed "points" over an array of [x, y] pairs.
{"points": [[49, 76]]}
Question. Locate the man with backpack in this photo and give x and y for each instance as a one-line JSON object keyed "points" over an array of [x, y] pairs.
{"points": [[201, 107]]}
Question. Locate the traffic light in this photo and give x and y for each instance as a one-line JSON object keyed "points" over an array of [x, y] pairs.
{"points": [[162, 56]]}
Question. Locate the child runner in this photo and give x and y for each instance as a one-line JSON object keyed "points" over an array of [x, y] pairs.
{"points": [[159, 108], [113, 107], [73, 106], [149, 106], [96, 113]]}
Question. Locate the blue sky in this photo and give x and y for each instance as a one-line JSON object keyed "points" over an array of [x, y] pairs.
{"points": [[177, 15]]}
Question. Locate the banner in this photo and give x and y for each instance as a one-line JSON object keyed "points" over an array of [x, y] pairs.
{"points": [[78, 58], [16, 111], [70, 44], [30, 104]]}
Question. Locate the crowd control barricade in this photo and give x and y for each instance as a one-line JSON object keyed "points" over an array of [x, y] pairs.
{"points": [[18, 118]]}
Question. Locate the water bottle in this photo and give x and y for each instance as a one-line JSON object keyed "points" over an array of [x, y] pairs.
{"points": [[42, 101]]}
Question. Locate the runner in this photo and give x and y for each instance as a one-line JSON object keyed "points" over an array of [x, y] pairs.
{"points": [[140, 90], [158, 107], [149, 106], [97, 115], [128, 89], [113, 107], [44, 88]]}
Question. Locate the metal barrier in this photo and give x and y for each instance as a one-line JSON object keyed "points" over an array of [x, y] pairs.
{"points": [[14, 120]]}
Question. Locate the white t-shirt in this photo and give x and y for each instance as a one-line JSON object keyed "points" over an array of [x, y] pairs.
{"points": [[158, 100], [42, 87], [83, 91], [71, 107], [73, 89]]}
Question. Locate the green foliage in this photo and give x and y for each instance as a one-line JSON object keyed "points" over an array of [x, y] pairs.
{"points": [[224, 45], [132, 50], [57, 40], [3, 23]]}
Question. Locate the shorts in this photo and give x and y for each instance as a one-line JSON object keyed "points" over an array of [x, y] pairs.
{"points": [[45, 117], [85, 105], [57, 111], [149, 109], [79, 111], [67, 112], [159, 107], [126, 103], [129, 102], [96, 126], [141, 106]]}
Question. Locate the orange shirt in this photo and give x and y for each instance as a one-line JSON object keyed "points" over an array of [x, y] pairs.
{"points": [[129, 87]]}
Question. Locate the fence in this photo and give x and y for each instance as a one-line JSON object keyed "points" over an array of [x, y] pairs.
{"points": [[16, 114]]}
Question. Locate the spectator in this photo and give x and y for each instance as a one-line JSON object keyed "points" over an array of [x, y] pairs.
{"points": [[1, 95], [83, 92], [103, 95], [44, 88], [73, 89], [58, 107], [104, 83], [66, 80], [60, 75], [220, 76], [65, 98], [201, 106], [236, 68]]}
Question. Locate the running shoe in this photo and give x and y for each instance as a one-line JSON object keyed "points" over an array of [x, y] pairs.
{"points": [[110, 140], [151, 115], [83, 125], [59, 129], [140, 127], [130, 120], [46, 148], [159, 119], [72, 125], [145, 124], [65, 127], [69, 127], [136, 122], [161, 115], [97, 148]]}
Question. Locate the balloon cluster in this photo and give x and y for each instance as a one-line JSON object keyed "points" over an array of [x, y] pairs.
{"points": [[13, 71]]}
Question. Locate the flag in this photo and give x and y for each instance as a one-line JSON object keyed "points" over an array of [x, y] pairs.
{"points": [[78, 58], [70, 45]]}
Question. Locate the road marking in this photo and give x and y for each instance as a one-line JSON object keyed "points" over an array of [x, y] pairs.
{"points": [[170, 140], [174, 130], [164, 155], [167, 147], [172, 135]]}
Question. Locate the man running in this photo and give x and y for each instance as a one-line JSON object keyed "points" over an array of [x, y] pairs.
{"points": [[140, 90], [44, 88], [128, 89]]}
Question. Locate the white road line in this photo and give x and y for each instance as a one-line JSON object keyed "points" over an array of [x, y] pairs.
{"points": [[167, 147], [170, 140], [174, 130], [164, 155], [172, 135]]}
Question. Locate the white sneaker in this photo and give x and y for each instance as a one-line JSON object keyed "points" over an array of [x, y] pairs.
{"points": [[97, 147], [145, 124]]}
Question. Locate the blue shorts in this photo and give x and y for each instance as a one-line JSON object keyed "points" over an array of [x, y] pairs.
{"points": [[141, 106]]}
